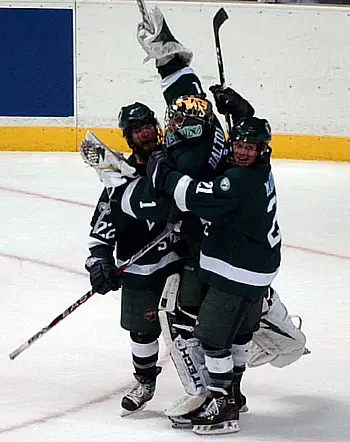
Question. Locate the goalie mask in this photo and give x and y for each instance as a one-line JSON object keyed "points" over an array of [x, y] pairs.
{"points": [[186, 119], [141, 130], [250, 139], [194, 140]]}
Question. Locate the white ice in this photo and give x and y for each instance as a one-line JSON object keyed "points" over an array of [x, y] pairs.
{"points": [[68, 385]]}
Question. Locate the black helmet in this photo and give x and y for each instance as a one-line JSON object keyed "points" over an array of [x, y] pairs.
{"points": [[136, 114], [141, 140], [251, 130], [249, 141]]}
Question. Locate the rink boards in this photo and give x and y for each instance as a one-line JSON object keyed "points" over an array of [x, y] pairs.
{"points": [[79, 62]]}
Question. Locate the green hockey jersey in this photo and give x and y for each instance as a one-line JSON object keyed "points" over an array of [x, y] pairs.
{"points": [[242, 240], [132, 219]]}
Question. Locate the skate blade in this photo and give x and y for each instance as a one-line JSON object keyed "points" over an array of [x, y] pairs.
{"points": [[180, 424], [126, 412], [224, 428]]}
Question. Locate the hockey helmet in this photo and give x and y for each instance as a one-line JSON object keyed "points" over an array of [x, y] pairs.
{"points": [[250, 137], [251, 130], [140, 129], [194, 140]]}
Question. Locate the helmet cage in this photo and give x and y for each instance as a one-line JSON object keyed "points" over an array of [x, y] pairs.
{"points": [[187, 111], [246, 134], [137, 146], [135, 117]]}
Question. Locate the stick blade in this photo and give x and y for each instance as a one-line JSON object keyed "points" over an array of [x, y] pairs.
{"points": [[219, 18]]}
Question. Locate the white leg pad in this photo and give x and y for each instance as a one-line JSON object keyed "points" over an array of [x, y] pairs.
{"points": [[188, 358], [187, 354], [184, 405], [278, 341]]}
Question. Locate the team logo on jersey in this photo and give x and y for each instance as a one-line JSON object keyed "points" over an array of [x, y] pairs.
{"points": [[225, 184], [104, 207], [151, 315]]}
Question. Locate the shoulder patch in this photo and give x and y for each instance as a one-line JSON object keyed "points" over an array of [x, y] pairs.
{"points": [[225, 184]]}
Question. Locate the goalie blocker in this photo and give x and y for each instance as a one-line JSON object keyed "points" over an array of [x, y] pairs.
{"points": [[278, 342]]}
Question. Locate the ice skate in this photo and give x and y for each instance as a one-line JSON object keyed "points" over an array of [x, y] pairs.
{"points": [[184, 420], [219, 417], [240, 399], [137, 397]]}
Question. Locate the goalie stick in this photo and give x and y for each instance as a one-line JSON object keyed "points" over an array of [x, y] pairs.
{"points": [[148, 24], [219, 19]]}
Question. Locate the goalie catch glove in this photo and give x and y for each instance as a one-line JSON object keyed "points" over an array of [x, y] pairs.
{"points": [[161, 45], [102, 276], [110, 165], [230, 102]]}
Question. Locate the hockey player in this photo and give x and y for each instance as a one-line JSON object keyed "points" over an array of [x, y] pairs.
{"points": [[240, 256], [193, 291], [132, 192], [120, 224], [233, 190], [278, 340]]}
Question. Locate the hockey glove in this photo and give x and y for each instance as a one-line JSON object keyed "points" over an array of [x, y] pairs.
{"points": [[101, 271], [230, 102], [158, 168], [161, 45]]}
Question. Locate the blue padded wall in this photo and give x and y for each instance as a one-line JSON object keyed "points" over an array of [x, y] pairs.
{"points": [[37, 64]]}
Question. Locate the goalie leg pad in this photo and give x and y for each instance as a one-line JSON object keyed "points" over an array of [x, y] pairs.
{"points": [[187, 354], [240, 354], [278, 341], [183, 406], [188, 358]]}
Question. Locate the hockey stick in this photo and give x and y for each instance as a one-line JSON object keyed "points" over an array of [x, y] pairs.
{"points": [[219, 19], [167, 230], [147, 21]]}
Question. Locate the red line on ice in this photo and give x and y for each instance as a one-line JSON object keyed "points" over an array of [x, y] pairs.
{"points": [[316, 252], [67, 201], [109, 396], [75, 409], [43, 263], [60, 414], [45, 197]]}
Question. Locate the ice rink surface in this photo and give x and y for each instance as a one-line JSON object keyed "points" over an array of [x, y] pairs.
{"points": [[68, 385]]}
